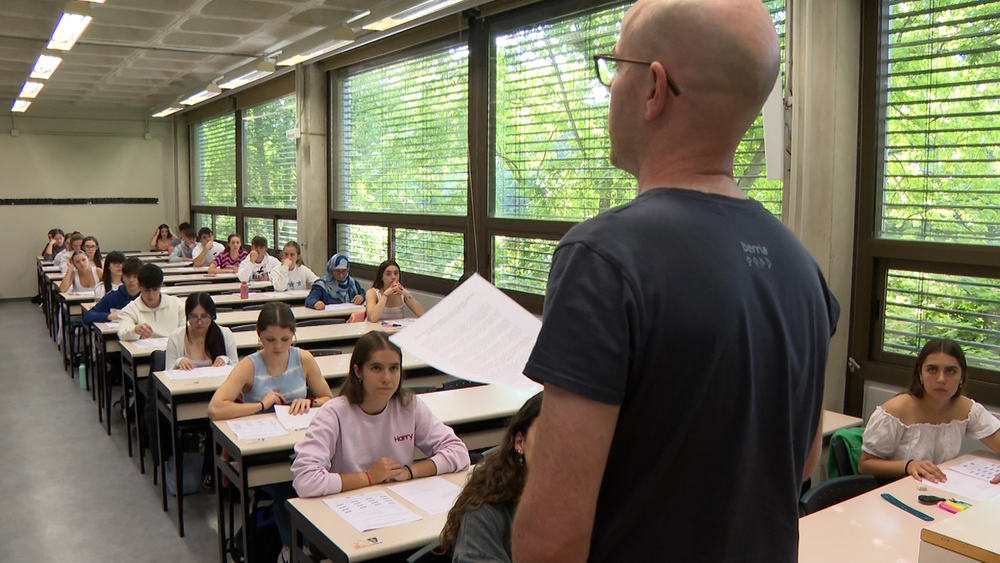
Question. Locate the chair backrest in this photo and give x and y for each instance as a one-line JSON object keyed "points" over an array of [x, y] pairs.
{"points": [[426, 554], [326, 351], [829, 493], [841, 458], [157, 361], [321, 322], [244, 328]]}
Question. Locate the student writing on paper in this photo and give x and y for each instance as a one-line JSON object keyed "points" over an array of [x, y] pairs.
{"points": [[368, 433], [385, 300], [337, 286], [478, 525], [112, 277], [162, 240], [292, 274], [110, 306], [229, 260], [154, 314], [201, 342], [912, 433], [258, 264], [80, 275], [278, 373]]}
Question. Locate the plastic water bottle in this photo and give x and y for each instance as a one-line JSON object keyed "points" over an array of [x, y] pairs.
{"points": [[244, 291], [82, 376]]}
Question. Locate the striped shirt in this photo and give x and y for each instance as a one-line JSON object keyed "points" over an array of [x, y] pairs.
{"points": [[225, 259]]}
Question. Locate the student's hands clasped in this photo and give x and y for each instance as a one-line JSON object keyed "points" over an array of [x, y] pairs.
{"points": [[395, 288], [921, 469], [358, 299], [386, 469]]}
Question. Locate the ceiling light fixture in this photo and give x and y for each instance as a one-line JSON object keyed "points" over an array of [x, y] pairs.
{"points": [[409, 13], [31, 89], [210, 91], [75, 19], [20, 106], [93, 1], [46, 64], [169, 110], [247, 74], [315, 45]]}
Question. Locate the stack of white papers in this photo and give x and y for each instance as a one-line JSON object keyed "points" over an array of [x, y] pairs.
{"points": [[433, 495], [256, 428], [371, 511], [294, 421], [341, 306], [112, 324], [150, 343], [198, 373]]}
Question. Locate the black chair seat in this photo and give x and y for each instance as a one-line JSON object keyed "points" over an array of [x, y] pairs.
{"points": [[829, 493]]}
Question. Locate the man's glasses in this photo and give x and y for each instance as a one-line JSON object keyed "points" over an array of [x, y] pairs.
{"points": [[606, 67], [196, 319]]}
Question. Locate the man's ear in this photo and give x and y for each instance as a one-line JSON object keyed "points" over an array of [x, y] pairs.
{"points": [[658, 97]]}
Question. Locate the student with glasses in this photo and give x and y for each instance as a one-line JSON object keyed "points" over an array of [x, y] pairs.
{"points": [[201, 342]]}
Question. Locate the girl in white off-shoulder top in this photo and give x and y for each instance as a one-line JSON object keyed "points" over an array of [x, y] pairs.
{"points": [[914, 432]]}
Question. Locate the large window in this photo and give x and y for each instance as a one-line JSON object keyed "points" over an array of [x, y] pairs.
{"points": [[929, 205], [479, 152], [258, 196]]}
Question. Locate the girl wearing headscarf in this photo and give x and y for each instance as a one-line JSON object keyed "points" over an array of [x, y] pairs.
{"points": [[336, 285]]}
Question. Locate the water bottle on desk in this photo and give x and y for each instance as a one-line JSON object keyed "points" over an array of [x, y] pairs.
{"points": [[244, 291], [82, 375]]}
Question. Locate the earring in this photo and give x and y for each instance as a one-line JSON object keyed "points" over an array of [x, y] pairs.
{"points": [[520, 456]]}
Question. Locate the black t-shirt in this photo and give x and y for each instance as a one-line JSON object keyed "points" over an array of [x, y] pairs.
{"points": [[706, 320]]}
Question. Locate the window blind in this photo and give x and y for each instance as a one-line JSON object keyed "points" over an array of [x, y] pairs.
{"points": [[940, 179], [363, 244], [213, 162], [254, 226], [270, 157], [431, 253], [403, 136], [522, 264]]}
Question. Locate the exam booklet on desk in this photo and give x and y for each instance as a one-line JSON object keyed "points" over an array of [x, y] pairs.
{"points": [[476, 333]]}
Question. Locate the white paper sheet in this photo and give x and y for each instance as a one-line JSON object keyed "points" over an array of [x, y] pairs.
{"points": [[980, 468], [111, 324], [966, 486], [342, 307], [476, 333], [371, 511], [150, 343], [198, 373], [256, 428], [294, 421], [433, 495]]}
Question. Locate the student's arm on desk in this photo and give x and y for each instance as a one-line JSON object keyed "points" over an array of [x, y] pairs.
{"points": [[556, 513]]}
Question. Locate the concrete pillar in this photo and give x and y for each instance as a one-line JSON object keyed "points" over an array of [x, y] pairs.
{"points": [[313, 191]]}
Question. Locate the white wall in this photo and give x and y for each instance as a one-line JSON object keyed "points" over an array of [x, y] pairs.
{"points": [[78, 153]]}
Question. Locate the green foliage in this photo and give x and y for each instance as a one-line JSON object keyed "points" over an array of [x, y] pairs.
{"points": [[269, 175], [522, 264], [431, 253], [213, 161], [363, 244]]}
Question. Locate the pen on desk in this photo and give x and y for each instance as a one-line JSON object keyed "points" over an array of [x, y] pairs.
{"points": [[902, 505]]}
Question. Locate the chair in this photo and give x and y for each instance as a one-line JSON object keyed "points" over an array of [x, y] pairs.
{"points": [[244, 328], [325, 351], [841, 458], [459, 383], [829, 493], [845, 451], [426, 554], [321, 322]]}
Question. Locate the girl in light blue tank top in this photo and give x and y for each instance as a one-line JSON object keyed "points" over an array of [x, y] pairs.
{"points": [[291, 384]]}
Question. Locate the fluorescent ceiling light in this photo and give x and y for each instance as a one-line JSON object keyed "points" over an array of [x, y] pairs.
{"points": [[46, 64], [315, 45], [94, 1], [31, 89], [210, 91], [362, 15], [20, 106], [75, 19], [418, 10], [169, 110], [246, 75]]}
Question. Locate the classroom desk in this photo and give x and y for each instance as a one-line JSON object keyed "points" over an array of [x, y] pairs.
{"points": [[833, 421], [260, 297], [967, 537], [327, 533], [868, 528], [182, 403], [222, 287], [135, 358], [253, 463]]}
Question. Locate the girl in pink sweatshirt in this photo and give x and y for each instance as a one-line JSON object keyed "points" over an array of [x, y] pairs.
{"points": [[367, 434]]}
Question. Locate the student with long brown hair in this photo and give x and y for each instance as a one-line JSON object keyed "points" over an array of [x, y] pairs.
{"points": [[478, 525]]}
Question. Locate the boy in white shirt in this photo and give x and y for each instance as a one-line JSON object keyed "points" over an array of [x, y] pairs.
{"points": [[154, 314], [258, 264], [206, 249]]}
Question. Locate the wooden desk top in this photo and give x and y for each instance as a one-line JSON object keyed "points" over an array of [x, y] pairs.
{"points": [[833, 421], [393, 539], [235, 318], [233, 299], [868, 528], [226, 287], [971, 533]]}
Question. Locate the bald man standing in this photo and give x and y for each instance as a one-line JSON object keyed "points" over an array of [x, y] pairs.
{"points": [[685, 334]]}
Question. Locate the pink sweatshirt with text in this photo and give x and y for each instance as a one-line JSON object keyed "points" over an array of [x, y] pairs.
{"points": [[343, 439]]}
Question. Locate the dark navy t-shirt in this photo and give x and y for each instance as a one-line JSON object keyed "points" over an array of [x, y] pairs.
{"points": [[707, 321]]}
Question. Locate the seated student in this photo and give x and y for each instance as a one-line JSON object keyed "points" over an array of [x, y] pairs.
{"points": [[278, 374], [201, 342], [56, 244], [110, 306], [184, 250], [337, 286], [258, 264], [80, 276], [154, 314], [292, 274], [478, 525], [385, 300], [181, 229], [911, 433], [93, 250], [367, 435], [207, 248], [163, 239], [112, 276], [62, 259], [229, 259]]}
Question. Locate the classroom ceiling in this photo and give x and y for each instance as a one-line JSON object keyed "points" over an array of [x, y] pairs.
{"points": [[147, 53]]}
